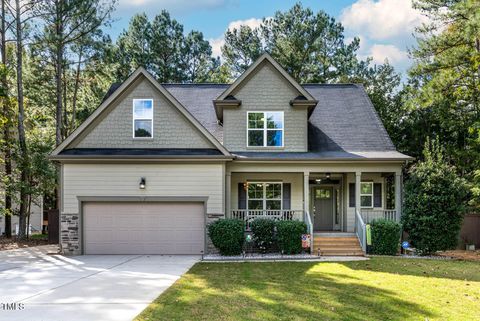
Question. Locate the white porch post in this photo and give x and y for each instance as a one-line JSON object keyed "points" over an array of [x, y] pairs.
{"points": [[306, 191], [358, 180], [398, 195], [228, 192]]}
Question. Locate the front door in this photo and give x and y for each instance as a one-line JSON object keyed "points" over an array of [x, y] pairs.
{"points": [[323, 203]]}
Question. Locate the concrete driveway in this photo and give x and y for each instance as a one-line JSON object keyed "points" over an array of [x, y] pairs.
{"points": [[90, 287]]}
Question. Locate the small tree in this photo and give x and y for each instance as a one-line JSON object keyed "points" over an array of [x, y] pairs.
{"points": [[434, 202]]}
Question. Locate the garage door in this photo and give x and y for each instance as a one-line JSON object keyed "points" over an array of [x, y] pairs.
{"points": [[143, 228]]}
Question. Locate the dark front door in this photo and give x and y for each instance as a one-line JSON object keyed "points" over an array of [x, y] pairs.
{"points": [[323, 208]]}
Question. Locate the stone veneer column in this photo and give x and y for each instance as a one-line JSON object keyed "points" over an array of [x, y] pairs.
{"points": [[70, 234]]}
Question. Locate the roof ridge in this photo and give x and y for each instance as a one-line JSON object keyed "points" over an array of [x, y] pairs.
{"points": [[194, 84], [324, 84]]}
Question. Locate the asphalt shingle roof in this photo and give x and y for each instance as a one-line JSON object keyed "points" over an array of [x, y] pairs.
{"points": [[344, 124]]}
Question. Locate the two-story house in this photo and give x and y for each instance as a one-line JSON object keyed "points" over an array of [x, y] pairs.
{"points": [[155, 163]]}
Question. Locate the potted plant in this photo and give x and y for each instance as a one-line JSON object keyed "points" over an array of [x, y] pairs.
{"points": [[469, 244]]}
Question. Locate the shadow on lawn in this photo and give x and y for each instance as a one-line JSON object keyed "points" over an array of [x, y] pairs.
{"points": [[443, 269], [277, 291]]}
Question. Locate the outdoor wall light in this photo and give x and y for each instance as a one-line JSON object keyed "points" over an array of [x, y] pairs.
{"points": [[143, 182], [318, 180], [327, 175]]}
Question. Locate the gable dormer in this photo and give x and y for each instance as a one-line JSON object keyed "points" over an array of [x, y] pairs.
{"points": [[265, 110], [140, 115]]}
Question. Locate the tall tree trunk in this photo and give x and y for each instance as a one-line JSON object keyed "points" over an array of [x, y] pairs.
{"points": [[75, 88], [58, 71], [65, 107], [21, 129], [6, 130]]}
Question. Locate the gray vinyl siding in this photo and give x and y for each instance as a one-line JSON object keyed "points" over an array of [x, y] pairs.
{"points": [[162, 180], [266, 90], [170, 128]]}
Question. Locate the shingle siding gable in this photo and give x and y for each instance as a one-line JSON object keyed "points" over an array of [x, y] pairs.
{"points": [[265, 90], [171, 129]]}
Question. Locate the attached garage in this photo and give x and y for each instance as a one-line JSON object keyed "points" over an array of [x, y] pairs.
{"points": [[143, 227]]}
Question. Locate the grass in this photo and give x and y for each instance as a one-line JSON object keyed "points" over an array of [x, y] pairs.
{"points": [[39, 236], [378, 289]]}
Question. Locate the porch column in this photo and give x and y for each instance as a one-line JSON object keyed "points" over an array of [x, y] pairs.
{"points": [[358, 180], [306, 191], [398, 195], [228, 193]]}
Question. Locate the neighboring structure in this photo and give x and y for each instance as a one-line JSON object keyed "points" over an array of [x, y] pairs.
{"points": [[36, 217], [157, 162]]}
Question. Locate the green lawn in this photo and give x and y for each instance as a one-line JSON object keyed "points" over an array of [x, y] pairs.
{"points": [[378, 289]]}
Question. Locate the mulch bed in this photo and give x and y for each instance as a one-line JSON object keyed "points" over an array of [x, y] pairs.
{"points": [[462, 255], [14, 243]]}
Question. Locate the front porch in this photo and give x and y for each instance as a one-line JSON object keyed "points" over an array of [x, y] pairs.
{"points": [[340, 202]]}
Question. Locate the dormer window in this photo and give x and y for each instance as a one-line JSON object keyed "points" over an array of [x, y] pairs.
{"points": [[265, 129], [142, 118]]}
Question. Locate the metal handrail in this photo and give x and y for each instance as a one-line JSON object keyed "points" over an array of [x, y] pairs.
{"points": [[360, 230], [308, 220]]}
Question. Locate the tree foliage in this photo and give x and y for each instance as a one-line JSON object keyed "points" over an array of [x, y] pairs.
{"points": [[310, 46], [443, 95], [163, 49], [434, 202]]}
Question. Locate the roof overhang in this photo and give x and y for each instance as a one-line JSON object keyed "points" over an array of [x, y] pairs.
{"points": [[304, 104], [135, 158], [222, 104]]}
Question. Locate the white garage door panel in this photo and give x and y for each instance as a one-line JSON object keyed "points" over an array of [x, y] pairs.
{"points": [[143, 228]]}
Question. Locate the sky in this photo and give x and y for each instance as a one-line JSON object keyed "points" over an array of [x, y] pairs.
{"points": [[385, 27]]}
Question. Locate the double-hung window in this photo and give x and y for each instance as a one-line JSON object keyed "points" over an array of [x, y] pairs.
{"points": [[366, 194], [265, 129], [264, 196], [142, 118]]}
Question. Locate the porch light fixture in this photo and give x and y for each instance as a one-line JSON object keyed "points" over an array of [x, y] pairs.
{"points": [[143, 182], [327, 175]]}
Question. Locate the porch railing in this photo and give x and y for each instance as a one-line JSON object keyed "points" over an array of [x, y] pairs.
{"points": [[279, 215], [369, 215], [360, 230]]}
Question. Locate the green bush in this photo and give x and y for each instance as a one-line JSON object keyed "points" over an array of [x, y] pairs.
{"points": [[263, 230], [434, 203], [385, 237], [289, 236], [227, 236]]}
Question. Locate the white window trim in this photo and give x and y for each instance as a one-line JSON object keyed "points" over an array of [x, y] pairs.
{"points": [[134, 119], [264, 198], [371, 195], [265, 129]]}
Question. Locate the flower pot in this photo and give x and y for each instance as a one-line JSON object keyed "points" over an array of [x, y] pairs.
{"points": [[470, 247]]}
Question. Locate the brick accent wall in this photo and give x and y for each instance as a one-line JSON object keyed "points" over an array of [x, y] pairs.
{"points": [[70, 234]]}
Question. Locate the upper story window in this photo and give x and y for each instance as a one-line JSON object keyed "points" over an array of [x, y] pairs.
{"points": [[142, 118], [265, 129]]}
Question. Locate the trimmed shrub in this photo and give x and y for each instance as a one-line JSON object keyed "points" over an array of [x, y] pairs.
{"points": [[227, 236], [263, 230], [434, 202], [385, 237], [289, 236]]}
